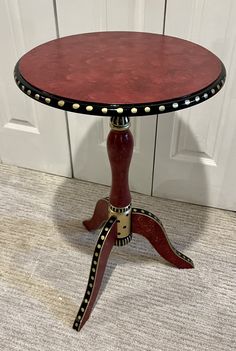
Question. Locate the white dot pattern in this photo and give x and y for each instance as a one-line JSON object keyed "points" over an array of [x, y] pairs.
{"points": [[128, 110], [93, 272], [104, 110], [61, 103], [120, 110]]}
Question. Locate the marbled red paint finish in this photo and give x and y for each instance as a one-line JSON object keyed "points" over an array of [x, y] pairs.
{"points": [[155, 234], [142, 224], [120, 150], [99, 217], [120, 67]]}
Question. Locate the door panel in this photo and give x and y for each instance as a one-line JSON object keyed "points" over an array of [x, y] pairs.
{"points": [[88, 133], [194, 146], [31, 135]]}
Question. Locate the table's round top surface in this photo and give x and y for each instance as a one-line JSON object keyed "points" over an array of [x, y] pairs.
{"points": [[113, 73]]}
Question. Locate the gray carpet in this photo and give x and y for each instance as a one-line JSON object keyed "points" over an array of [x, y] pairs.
{"points": [[145, 304]]}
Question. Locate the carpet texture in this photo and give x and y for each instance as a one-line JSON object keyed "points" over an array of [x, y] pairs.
{"points": [[144, 304]]}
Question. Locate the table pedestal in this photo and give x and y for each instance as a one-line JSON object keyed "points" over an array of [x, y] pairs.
{"points": [[119, 220]]}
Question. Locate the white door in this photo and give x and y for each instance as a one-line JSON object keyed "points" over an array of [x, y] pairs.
{"points": [[196, 148], [88, 133], [31, 134]]}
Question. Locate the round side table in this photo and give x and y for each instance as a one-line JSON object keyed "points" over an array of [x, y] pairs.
{"points": [[120, 75]]}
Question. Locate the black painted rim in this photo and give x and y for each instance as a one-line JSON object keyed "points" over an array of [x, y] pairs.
{"points": [[110, 110], [93, 272]]}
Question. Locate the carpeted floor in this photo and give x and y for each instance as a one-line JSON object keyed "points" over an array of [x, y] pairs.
{"points": [[144, 304]]}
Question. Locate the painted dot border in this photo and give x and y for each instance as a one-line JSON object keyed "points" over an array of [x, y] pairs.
{"points": [[91, 286], [155, 218], [110, 110]]}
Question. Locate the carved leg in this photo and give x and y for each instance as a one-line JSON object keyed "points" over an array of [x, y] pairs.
{"points": [[100, 215], [106, 240], [148, 225]]}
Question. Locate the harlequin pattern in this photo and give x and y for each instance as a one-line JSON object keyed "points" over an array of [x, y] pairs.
{"points": [[151, 215], [93, 272], [101, 109]]}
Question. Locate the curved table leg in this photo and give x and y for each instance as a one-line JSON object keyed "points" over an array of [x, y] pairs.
{"points": [[106, 240], [100, 215], [148, 225]]}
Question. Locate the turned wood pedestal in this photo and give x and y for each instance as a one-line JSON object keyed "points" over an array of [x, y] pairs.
{"points": [[118, 220], [120, 75]]}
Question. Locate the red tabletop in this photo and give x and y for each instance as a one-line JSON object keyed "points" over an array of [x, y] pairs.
{"points": [[112, 73]]}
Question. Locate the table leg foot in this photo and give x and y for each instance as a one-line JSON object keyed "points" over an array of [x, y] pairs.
{"points": [[106, 241], [100, 215], [148, 225]]}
